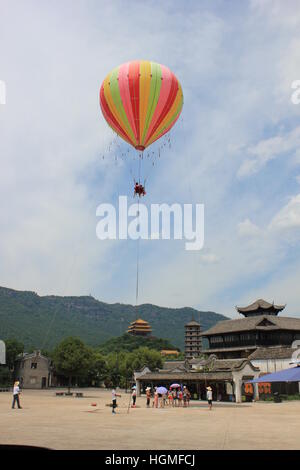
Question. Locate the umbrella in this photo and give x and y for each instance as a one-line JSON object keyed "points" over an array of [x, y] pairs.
{"points": [[162, 390], [286, 375], [175, 386]]}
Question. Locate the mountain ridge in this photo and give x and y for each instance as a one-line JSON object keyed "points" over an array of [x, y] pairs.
{"points": [[42, 321]]}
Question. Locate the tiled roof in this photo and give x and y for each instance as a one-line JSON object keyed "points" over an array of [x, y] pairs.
{"points": [[169, 365], [183, 376], [237, 348], [260, 304], [272, 353], [252, 323]]}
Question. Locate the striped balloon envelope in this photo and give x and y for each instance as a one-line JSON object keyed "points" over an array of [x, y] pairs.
{"points": [[141, 101]]}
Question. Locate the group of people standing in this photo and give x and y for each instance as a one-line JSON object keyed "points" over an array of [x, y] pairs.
{"points": [[175, 397]]}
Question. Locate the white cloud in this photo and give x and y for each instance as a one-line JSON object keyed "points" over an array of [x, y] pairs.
{"points": [[289, 216], [264, 151], [209, 258], [248, 229]]}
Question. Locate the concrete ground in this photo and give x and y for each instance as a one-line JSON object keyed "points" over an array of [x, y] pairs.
{"points": [[72, 423]]}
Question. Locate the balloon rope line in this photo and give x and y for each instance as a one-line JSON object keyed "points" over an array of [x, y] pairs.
{"points": [[138, 246], [137, 268]]}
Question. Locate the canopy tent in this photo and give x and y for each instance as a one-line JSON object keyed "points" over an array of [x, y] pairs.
{"points": [[286, 375]]}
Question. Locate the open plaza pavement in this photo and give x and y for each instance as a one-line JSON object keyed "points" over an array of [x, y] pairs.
{"points": [[60, 422]]}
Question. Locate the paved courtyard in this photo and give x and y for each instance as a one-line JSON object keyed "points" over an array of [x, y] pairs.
{"points": [[72, 423]]}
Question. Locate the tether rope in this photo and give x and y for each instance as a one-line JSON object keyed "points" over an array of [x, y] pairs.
{"points": [[138, 243]]}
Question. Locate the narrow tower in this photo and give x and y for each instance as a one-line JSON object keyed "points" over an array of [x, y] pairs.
{"points": [[193, 341]]}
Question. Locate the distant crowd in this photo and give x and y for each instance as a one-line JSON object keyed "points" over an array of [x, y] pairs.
{"points": [[160, 397]]}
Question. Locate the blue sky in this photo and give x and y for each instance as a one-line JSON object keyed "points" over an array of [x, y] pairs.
{"points": [[235, 149]]}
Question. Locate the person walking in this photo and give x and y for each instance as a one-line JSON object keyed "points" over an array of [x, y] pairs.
{"points": [[209, 396], [133, 395], [114, 396], [16, 395]]}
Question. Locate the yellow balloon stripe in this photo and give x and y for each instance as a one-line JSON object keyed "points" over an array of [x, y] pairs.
{"points": [[145, 82]]}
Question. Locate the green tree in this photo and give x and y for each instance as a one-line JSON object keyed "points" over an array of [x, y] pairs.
{"points": [[122, 365], [13, 348], [72, 358], [114, 361], [5, 377], [97, 370]]}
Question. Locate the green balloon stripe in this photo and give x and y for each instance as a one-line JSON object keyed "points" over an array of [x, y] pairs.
{"points": [[153, 96]]}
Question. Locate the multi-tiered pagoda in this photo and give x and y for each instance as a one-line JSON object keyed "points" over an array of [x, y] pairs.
{"points": [[139, 327]]}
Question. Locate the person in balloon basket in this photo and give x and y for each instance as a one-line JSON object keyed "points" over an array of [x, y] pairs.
{"points": [[209, 396], [114, 396], [16, 395], [139, 190]]}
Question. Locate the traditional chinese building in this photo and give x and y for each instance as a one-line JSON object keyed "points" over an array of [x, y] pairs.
{"points": [[33, 370], [238, 351], [226, 377], [169, 352], [260, 328], [139, 327]]}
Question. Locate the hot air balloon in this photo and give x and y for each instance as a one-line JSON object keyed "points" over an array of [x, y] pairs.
{"points": [[141, 101]]}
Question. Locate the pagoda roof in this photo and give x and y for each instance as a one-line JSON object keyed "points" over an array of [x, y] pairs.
{"points": [[139, 327], [260, 304], [139, 321], [193, 323]]}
